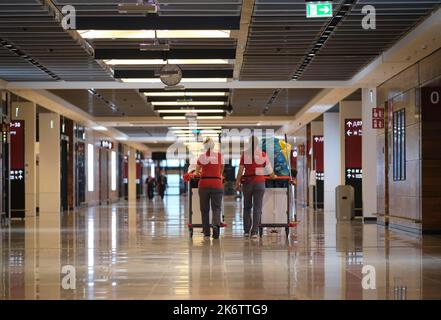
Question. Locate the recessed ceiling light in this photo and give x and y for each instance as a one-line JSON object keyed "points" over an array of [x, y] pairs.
{"points": [[162, 62], [150, 34], [173, 117], [187, 111], [184, 80], [209, 117], [188, 103], [184, 94]]}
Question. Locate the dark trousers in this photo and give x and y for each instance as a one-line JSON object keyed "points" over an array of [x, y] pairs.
{"points": [[162, 191], [252, 202], [211, 196]]}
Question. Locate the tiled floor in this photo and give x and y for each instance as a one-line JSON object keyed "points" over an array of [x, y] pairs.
{"points": [[144, 251]]}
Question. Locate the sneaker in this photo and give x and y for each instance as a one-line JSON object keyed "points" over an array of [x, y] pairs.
{"points": [[206, 237], [246, 235], [255, 236]]}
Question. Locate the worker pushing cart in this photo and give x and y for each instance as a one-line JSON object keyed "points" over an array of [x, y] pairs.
{"points": [[209, 171]]}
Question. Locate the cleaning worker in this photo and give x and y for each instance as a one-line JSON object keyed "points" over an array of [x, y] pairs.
{"points": [[253, 166], [210, 169]]}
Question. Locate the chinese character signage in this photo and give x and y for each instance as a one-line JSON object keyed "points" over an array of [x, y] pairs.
{"points": [[17, 168], [378, 118]]}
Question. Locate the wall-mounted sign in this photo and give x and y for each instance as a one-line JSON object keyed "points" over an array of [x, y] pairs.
{"points": [[431, 104], [353, 157], [17, 168], [378, 118], [318, 9], [353, 127], [317, 146], [106, 144]]}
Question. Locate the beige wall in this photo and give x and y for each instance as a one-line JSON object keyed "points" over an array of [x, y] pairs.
{"points": [[49, 166], [411, 206]]}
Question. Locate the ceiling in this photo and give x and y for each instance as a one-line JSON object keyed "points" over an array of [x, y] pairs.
{"points": [[282, 44]]}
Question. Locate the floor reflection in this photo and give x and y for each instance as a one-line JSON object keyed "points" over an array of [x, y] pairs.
{"points": [[143, 251]]}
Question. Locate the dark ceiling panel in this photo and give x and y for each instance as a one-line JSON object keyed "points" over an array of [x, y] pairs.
{"points": [[115, 53], [156, 22], [121, 73], [252, 101], [129, 102]]}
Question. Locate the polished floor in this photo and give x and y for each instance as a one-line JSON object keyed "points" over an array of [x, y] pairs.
{"points": [[144, 251]]}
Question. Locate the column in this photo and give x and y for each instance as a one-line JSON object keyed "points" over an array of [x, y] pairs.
{"points": [[26, 111], [49, 182], [369, 154], [332, 157], [49, 203], [132, 175]]}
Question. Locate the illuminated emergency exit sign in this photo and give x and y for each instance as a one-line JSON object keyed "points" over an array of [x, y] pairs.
{"points": [[319, 9]]}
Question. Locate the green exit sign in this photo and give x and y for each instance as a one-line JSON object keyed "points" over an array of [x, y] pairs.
{"points": [[319, 9]]}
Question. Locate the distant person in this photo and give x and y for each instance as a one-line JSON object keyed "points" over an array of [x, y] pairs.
{"points": [[162, 184], [254, 163], [210, 169], [150, 181]]}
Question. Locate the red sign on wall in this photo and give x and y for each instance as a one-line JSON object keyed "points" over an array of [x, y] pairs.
{"points": [[17, 145], [317, 145], [378, 118], [353, 138], [377, 123], [318, 156]]}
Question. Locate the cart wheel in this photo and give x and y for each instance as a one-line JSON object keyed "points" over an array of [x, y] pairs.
{"points": [[261, 232], [287, 232]]}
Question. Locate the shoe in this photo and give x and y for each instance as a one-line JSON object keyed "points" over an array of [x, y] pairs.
{"points": [[246, 235], [206, 237], [216, 233], [255, 236]]}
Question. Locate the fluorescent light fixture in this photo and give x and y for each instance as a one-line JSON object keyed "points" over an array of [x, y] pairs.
{"points": [[99, 128], [188, 80], [188, 103], [185, 94], [150, 34], [113, 170], [192, 111], [174, 118], [121, 138], [90, 167], [190, 127], [209, 117], [162, 62], [190, 131]]}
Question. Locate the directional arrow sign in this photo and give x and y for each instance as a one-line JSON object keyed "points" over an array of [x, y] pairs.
{"points": [[319, 9]]}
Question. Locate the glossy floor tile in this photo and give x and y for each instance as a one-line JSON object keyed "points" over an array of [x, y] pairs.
{"points": [[143, 251]]}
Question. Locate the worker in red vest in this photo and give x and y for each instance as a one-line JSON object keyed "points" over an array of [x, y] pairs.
{"points": [[254, 164], [210, 169]]}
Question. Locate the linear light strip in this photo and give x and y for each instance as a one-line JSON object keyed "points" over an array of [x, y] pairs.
{"points": [[150, 34]]}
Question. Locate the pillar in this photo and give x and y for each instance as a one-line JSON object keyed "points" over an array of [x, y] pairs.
{"points": [[131, 175], [332, 157], [49, 182], [369, 154], [27, 111]]}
